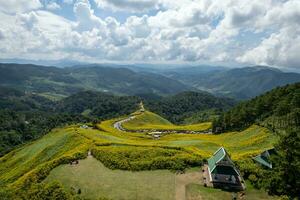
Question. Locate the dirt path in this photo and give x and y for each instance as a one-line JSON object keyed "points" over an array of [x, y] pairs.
{"points": [[182, 180]]}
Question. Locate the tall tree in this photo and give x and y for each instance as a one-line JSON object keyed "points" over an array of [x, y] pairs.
{"points": [[284, 178]]}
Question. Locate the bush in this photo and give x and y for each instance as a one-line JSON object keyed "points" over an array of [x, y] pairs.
{"points": [[253, 172], [145, 158]]}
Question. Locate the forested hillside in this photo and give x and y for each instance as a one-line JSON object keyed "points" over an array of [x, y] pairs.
{"points": [[276, 109], [195, 106], [279, 111], [56, 83], [98, 104], [27, 116], [24, 117]]}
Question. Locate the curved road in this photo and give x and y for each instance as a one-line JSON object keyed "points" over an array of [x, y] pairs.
{"points": [[118, 124]]}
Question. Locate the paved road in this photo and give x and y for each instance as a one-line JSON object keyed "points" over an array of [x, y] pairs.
{"points": [[118, 124]]}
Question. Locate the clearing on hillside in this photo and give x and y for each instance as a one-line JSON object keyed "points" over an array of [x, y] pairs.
{"points": [[95, 181]]}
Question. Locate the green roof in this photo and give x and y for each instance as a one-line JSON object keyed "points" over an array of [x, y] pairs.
{"points": [[263, 159], [217, 156]]}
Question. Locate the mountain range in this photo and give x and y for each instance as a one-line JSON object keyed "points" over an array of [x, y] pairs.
{"points": [[238, 83], [56, 83]]}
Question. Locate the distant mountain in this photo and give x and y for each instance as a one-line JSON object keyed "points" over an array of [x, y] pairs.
{"points": [[57, 63], [144, 80], [126, 81], [240, 83], [55, 82]]}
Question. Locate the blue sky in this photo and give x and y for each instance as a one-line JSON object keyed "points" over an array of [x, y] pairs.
{"points": [[222, 32]]}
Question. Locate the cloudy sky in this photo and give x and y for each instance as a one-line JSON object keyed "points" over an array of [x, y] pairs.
{"points": [[244, 32]]}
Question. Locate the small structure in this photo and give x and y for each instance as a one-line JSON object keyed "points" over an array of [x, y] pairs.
{"points": [[142, 109], [264, 158], [84, 126], [156, 135], [74, 162], [222, 171]]}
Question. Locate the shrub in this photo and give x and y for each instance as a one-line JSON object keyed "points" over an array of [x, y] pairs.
{"points": [[145, 158], [253, 172]]}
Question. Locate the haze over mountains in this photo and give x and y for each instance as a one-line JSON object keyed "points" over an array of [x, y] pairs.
{"points": [[53, 82]]}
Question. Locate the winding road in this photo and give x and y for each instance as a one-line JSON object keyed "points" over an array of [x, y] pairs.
{"points": [[118, 124]]}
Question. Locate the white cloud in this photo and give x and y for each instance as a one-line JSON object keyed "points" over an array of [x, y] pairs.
{"points": [[280, 49], [282, 46], [138, 26], [183, 30], [85, 16], [19, 6], [128, 5], [53, 6], [2, 35], [68, 1]]}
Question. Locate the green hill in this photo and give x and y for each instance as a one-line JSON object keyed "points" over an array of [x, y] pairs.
{"points": [[151, 121]]}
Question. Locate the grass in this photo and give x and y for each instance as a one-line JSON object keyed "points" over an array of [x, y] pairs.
{"points": [[151, 121], [196, 191], [96, 181]]}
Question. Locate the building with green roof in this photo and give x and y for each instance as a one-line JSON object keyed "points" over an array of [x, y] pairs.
{"points": [[264, 158], [222, 171]]}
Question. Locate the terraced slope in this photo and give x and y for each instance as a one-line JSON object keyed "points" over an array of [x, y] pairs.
{"points": [[32, 163], [53, 149], [151, 121]]}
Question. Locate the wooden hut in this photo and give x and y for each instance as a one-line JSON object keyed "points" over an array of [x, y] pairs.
{"points": [[222, 171]]}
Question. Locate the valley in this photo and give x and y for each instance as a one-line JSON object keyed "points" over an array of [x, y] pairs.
{"points": [[87, 144]]}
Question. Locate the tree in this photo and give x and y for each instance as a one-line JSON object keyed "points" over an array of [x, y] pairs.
{"points": [[284, 178]]}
